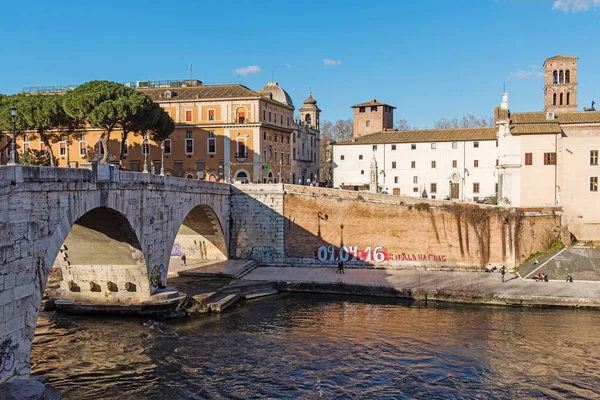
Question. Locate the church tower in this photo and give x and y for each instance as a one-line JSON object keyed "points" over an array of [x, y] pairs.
{"points": [[310, 113], [560, 84]]}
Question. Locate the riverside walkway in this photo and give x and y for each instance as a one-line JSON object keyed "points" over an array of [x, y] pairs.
{"points": [[463, 287]]}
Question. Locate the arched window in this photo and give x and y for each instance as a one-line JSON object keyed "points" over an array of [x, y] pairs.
{"points": [[554, 99], [561, 77], [568, 98], [567, 76], [189, 176], [561, 99], [555, 77], [307, 118]]}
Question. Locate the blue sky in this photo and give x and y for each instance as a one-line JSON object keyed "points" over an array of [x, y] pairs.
{"points": [[429, 58]]}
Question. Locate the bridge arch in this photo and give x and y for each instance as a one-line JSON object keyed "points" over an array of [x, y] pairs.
{"points": [[199, 236], [101, 260]]}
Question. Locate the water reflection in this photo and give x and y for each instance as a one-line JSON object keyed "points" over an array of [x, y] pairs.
{"points": [[325, 347]]}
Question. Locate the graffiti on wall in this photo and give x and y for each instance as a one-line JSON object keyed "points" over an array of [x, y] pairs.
{"points": [[195, 250], [7, 355], [369, 254]]}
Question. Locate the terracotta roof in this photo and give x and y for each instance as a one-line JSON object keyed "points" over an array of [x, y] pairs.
{"points": [[580, 117], [370, 103], [439, 135], [201, 92], [523, 129]]}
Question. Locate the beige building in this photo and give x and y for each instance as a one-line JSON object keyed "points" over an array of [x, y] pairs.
{"points": [[550, 158]]}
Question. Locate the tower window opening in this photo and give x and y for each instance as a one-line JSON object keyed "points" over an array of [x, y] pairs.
{"points": [[561, 77], [555, 77], [567, 76], [561, 99], [554, 99], [568, 98]]}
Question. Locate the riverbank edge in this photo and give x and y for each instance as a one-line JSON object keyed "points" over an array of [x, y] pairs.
{"points": [[463, 295]]}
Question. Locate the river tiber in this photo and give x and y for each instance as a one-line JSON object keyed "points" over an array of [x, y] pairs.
{"points": [[376, 201]]}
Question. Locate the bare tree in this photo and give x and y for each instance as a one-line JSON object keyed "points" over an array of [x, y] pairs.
{"points": [[468, 121], [332, 132], [402, 125]]}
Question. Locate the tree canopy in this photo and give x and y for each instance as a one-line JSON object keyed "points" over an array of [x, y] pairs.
{"points": [[332, 132], [110, 106]]}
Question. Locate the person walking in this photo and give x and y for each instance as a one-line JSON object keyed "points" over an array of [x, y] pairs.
{"points": [[340, 269], [502, 272], [184, 260]]}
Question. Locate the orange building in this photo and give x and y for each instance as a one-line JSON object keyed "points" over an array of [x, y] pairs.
{"points": [[223, 133]]}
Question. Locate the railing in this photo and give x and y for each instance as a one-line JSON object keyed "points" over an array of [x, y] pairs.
{"points": [[241, 155]]}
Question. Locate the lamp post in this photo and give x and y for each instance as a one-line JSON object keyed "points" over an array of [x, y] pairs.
{"points": [[145, 151], [162, 158], [13, 157]]}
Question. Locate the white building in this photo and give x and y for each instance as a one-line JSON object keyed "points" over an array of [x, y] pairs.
{"points": [[455, 163]]}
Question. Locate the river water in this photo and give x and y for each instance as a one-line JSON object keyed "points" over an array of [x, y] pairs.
{"points": [[315, 346]]}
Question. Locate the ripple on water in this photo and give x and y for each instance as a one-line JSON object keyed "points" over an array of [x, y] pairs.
{"points": [[325, 347]]}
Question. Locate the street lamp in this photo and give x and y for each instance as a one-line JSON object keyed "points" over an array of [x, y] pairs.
{"points": [[145, 151], [13, 157], [162, 158]]}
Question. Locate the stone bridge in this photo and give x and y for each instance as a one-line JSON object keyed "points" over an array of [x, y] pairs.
{"points": [[112, 236], [110, 233]]}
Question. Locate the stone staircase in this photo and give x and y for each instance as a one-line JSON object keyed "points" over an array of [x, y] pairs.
{"points": [[231, 293]]}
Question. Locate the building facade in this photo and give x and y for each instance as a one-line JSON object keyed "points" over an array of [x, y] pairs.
{"points": [[371, 117], [225, 133]]}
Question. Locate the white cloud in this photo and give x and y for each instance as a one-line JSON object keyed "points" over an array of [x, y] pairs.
{"points": [[288, 65], [328, 61], [533, 72], [250, 69], [575, 5]]}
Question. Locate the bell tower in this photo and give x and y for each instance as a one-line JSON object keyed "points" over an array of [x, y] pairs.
{"points": [[310, 113], [560, 84]]}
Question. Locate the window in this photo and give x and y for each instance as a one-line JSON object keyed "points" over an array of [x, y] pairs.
{"points": [[476, 163], [361, 109], [497, 162], [275, 138], [455, 145], [281, 119], [26, 146], [475, 187], [413, 146], [211, 115], [288, 121], [433, 188], [593, 184], [373, 108], [282, 138], [212, 145], [393, 147], [83, 148], [275, 117], [167, 143], [241, 148], [416, 190], [342, 157], [528, 158], [374, 147], [554, 99], [146, 148], [393, 164], [360, 157], [264, 115], [275, 157], [62, 148], [362, 171], [415, 179], [125, 147], [568, 98], [593, 157], [496, 142], [211, 134], [454, 164], [368, 123], [83, 139], [288, 158], [433, 146], [413, 164], [476, 145], [396, 179], [433, 164], [549, 158], [189, 143], [287, 138], [269, 116], [188, 115], [264, 135]]}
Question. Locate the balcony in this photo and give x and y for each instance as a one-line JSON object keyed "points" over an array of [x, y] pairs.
{"points": [[241, 155]]}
